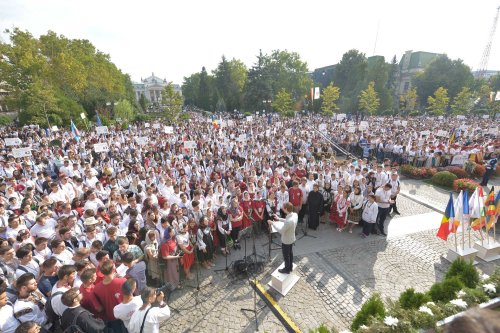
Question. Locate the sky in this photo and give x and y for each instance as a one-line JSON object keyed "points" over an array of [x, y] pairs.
{"points": [[175, 39]]}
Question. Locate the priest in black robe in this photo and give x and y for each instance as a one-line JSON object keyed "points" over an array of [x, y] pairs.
{"points": [[315, 207]]}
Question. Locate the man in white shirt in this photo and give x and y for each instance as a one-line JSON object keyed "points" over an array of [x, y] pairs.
{"points": [[383, 198], [381, 177], [57, 194], [44, 227], [394, 192], [287, 231], [151, 316], [8, 323], [129, 305], [369, 217], [305, 192]]}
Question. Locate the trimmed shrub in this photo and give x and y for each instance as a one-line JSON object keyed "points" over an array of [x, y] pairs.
{"points": [[5, 120], [465, 184], [474, 296], [465, 272], [409, 299], [445, 291], [458, 171], [479, 170], [373, 307], [444, 178]]}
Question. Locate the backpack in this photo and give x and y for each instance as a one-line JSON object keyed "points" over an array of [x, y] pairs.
{"points": [[74, 328], [52, 317]]}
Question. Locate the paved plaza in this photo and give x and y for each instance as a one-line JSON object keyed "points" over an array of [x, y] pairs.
{"points": [[338, 271]]}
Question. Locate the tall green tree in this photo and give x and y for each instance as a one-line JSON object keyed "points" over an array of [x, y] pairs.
{"points": [[207, 92], [124, 110], [437, 105], [349, 76], [191, 89], [283, 102], [368, 99], [258, 88], [143, 103], [462, 103], [171, 103], [442, 72], [230, 78], [378, 72], [330, 96], [408, 101]]}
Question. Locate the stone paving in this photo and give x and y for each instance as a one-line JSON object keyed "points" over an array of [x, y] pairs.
{"points": [[338, 271]]}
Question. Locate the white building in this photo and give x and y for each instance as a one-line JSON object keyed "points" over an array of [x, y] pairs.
{"points": [[151, 87]]}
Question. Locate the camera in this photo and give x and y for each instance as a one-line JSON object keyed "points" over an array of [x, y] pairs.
{"points": [[167, 288]]}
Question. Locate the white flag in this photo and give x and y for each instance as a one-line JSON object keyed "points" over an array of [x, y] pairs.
{"points": [[316, 93], [459, 208]]}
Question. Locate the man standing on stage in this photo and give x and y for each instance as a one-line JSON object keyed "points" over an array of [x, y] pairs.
{"points": [[287, 231]]}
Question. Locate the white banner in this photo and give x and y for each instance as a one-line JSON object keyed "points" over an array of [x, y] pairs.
{"points": [[351, 129], [322, 127], [242, 137], [142, 140], [21, 152], [404, 123], [442, 133], [440, 117], [341, 116], [350, 123], [464, 127], [486, 116], [169, 130], [461, 117], [54, 128], [459, 159], [189, 144], [493, 131], [316, 92], [363, 123], [101, 130], [12, 141], [426, 133], [222, 124], [249, 118], [82, 115], [146, 125], [156, 126], [397, 122], [268, 132], [101, 147]]}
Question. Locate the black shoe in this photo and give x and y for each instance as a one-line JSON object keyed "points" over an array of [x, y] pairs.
{"points": [[283, 271], [397, 213]]}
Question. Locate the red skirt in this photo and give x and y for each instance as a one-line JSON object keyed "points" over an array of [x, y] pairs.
{"points": [[188, 258]]}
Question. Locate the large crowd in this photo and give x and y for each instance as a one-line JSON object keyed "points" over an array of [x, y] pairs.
{"points": [[86, 231]]}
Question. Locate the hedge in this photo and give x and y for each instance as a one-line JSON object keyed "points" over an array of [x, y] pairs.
{"points": [[444, 178], [465, 184]]}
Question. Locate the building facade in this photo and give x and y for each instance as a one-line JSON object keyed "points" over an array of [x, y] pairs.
{"points": [[151, 87], [412, 63]]}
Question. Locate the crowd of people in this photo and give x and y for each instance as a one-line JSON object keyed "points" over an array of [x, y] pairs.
{"points": [[85, 234]]}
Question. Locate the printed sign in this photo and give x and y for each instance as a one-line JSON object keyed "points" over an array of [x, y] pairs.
{"points": [[404, 123], [486, 116], [459, 159], [54, 128], [288, 131], [101, 147], [169, 130], [249, 118], [426, 133], [146, 125], [21, 152], [156, 126], [493, 131], [397, 122], [440, 117], [341, 116], [351, 129], [364, 124], [12, 141], [461, 117], [189, 144], [142, 140], [101, 130], [442, 133], [242, 137]]}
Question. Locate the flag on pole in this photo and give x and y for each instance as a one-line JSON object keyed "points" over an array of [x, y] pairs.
{"points": [[452, 137], [497, 203], [98, 119], [215, 122], [74, 130], [316, 93], [477, 209], [459, 212], [491, 209], [447, 220]]}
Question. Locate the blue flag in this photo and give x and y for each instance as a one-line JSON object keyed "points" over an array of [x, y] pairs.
{"points": [[74, 130], [98, 119]]}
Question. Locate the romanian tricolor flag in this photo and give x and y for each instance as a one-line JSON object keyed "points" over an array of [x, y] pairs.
{"points": [[491, 209], [74, 131], [447, 222], [215, 122]]}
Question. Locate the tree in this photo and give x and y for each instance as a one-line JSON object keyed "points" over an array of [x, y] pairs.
{"points": [[230, 78], [283, 102], [462, 103], [408, 101], [143, 103], [206, 91], [378, 72], [258, 87], [442, 72], [124, 110], [171, 102], [330, 96], [437, 105], [368, 100], [191, 89], [349, 76]]}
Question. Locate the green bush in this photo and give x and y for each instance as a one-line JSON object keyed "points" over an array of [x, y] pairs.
{"points": [[184, 116], [409, 299], [5, 120], [465, 272], [445, 291], [373, 307], [323, 329], [246, 114], [142, 117], [474, 296], [443, 178]]}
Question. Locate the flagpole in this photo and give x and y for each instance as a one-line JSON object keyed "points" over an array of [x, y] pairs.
{"points": [[463, 234], [456, 244]]}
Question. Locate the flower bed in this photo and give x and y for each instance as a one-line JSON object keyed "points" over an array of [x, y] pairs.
{"points": [[417, 173], [465, 184], [415, 312]]}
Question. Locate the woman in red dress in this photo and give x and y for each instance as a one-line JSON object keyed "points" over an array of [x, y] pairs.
{"points": [[342, 204], [236, 219], [333, 208], [170, 255], [184, 242], [246, 207], [258, 206]]}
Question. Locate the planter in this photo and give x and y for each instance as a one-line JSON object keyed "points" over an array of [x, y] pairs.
{"points": [[493, 304]]}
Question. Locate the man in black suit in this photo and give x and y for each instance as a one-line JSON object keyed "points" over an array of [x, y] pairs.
{"points": [[75, 315]]}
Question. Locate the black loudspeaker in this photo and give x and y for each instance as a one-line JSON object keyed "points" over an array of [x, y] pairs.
{"points": [[246, 267]]}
